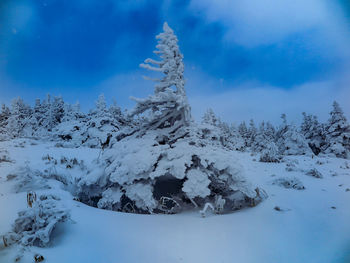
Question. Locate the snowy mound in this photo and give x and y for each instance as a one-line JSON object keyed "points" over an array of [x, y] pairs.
{"points": [[181, 169]]}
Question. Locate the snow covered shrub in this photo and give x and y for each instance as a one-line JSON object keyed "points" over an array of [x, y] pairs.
{"points": [[167, 162], [217, 208], [34, 226], [315, 173], [62, 164], [93, 129], [5, 159], [270, 154], [289, 182], [218, 131], [292, 165], [27, 179], [190, 169]]}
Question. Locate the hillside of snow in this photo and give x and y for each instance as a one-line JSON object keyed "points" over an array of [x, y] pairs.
{"points": [[304, 218]]}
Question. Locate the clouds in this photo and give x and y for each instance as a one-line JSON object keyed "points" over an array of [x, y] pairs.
{"points": [[235, 51], [259, 102], [261, 22]]}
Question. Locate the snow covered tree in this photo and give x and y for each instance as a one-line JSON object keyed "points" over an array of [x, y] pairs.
{"points": [[101, 124], [265, 135], [270, 132], [167, 162], [261, 140], [270, 154], [222, 132], [210, 118], [243, 131], [169, 103], [313, 132], [290, 141], [72, 126], [338, 133], [117, 113], [39, 113], [4, 116], [101, 105], [18, 124], [72, 112], [44, 117], [252, 132], [57, 110], [235, 140]]}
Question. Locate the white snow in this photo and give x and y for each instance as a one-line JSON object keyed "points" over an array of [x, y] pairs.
{"points": [[306, 229]]}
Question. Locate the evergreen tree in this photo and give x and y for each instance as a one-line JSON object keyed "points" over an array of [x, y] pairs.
{"points": [[289, 140], [4, 116], [261, 139], [168, 105], [270, 154], [252, 132], [101, 106], [313, 132], [57, 110], [177, 162], [209, 117], [18, 123], [338, 133], [270, 132], [243, 131], [117, 113]]}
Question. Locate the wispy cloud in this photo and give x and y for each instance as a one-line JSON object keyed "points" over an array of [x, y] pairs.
{"points": [[245, 59], [259, 102], [259, 22]]}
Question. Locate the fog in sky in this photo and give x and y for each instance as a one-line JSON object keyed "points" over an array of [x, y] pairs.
{"points": [[245, 59]]}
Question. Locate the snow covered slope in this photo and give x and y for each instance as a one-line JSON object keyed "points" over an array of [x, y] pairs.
{"points": [[292, 225]]}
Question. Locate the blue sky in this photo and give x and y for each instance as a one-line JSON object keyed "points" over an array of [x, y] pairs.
{"points": [[245, 59]]}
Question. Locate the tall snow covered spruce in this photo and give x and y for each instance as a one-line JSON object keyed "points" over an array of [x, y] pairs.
{"points": [[338, 133], [166, 162], [169, 103]]}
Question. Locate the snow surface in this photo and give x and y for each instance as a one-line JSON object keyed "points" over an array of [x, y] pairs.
{"points": [[305, 228]]}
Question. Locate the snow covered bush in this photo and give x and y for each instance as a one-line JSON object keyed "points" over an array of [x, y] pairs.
{"points": [[225, 135], [94, 129], [34, 226], [292, 165], [4, 157], [167, 162], [141, 171], [289, 182], [270, 154], [314, 173]]}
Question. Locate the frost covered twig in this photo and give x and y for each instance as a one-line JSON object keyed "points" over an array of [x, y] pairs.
{"points": [[204, 210]]}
